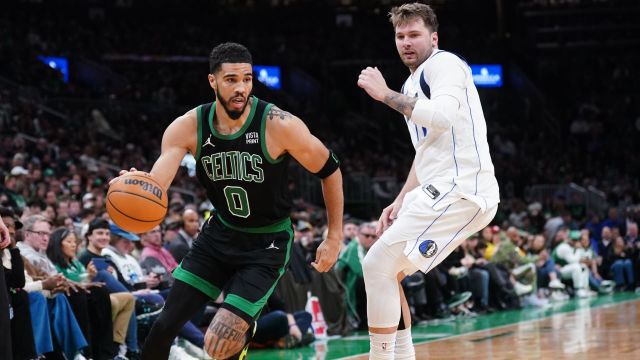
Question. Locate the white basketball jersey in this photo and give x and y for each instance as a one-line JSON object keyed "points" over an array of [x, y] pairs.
{"points": [[456, 161]]}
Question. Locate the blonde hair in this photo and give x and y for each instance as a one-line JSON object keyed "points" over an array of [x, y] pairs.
{"points": [[400, 15]]}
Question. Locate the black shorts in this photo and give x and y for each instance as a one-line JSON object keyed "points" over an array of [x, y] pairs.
{"points": [[244, 263]]}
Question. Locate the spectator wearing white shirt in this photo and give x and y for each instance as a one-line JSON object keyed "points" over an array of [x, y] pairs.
{"points": [[568, 257]]}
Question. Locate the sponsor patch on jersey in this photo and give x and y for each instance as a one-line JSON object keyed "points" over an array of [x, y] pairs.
{"points": [[252, 137], [428, 248]]}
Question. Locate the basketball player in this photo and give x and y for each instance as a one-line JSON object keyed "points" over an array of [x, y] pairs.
{"points": [[451, 191], [242, 146]]}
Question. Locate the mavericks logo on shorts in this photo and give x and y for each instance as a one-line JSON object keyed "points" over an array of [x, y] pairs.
{"points": [[428, 248]]}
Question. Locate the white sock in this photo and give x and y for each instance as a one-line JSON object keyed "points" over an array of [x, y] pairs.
{"points": [[404, 349], [382, 346], [122, 349]]}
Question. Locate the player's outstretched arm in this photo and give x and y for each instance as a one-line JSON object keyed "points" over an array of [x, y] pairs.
{"points": [[179, 138], [287, 133]]}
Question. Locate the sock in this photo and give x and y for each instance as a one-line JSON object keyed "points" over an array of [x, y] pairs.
{"points": [[382, 346], [122, 349], [404, 349]]}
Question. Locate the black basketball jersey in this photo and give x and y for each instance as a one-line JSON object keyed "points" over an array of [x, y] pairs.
{"points": [[246, 186]]}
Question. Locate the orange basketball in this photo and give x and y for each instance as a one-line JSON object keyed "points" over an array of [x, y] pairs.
{"points": [[136, 202]]}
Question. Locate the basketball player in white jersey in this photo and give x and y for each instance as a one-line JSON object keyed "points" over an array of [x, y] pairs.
{"points": [[451, 191]]}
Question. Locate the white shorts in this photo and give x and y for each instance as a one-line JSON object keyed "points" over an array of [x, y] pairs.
{"points": [[432, 228]]}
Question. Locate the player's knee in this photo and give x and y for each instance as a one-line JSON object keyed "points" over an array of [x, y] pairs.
{"points": [[368, 266], [374, 263]]}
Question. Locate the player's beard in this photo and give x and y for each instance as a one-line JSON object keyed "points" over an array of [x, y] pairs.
{"points": [[233, 114], [417, 60]]}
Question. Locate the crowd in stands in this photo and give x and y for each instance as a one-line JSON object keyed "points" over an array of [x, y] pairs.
{"points": [[68, 267]]}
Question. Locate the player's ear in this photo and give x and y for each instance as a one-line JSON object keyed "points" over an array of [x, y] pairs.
{"points": [[212, 82], [434, 39]]}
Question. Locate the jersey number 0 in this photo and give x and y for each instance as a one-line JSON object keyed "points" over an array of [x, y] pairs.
{"points": [[237, 201]]}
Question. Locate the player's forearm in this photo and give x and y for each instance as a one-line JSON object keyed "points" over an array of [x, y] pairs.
{"points": [[402, 103], [411, 183], [334, 202], [165, 168], [435, 114]]}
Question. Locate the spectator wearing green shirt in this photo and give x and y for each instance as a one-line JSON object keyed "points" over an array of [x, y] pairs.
{"points": [[349, 266]]}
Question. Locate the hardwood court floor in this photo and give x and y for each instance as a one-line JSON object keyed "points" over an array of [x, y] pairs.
{"points": [[606, 327]]}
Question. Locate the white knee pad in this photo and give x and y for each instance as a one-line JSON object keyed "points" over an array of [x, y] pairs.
{"points": [[381, 266]]}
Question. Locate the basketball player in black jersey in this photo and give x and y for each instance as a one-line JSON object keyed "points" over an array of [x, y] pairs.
{"points": [[242, 146]]}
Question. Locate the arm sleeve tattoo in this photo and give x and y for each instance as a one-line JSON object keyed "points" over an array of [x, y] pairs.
{"points": [[401, 103]]}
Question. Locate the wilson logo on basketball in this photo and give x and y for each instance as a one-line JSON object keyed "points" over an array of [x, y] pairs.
{"points": [[146, 186]]}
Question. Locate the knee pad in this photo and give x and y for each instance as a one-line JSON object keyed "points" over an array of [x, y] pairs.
{"points": [[381, 267]]}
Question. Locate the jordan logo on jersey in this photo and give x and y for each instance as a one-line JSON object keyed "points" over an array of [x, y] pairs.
{"points": [[208, 142], [272, 246], [252, 137]]}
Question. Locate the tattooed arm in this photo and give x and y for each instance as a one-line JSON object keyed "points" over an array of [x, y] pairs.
{"points": [[372, 81], [437, 113], [402, 103]]}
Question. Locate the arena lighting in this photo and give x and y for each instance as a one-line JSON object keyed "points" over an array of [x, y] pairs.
{"points": [[487, 75], [268, 75], [57, 63]]}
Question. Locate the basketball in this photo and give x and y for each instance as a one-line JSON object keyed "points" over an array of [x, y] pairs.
{"points": [[136, 202]]}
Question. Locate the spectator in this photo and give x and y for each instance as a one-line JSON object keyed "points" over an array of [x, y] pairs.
{"points": [[546, 271], [601, 248], [568, 258], [180, 246], [91, 309], [35, 317], [633, 245], [279, 329], [130, 270], [349, 266], [62, 252], [620, 266], [14, 186], [22, 341], [613, 220], [350, 232], [596, 282], [153, 252], [479, 276]]}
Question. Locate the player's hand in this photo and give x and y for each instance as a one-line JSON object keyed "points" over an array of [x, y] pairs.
{"points": [[5, 240], [372, 81], [327, 253], [122, 172], [388, 216]]}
